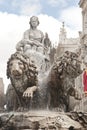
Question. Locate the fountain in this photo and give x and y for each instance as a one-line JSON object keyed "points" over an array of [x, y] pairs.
{"points": [[38, 96]]}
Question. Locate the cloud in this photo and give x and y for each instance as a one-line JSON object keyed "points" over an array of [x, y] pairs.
{"points": [[27, 7], [11, 31], [21, 7], [72, 17], [30, 9], [1, 1], [50, 25], [62, 3]]}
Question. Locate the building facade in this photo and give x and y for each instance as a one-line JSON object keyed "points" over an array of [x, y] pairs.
{"points": [[67, 44], [83, 35]]}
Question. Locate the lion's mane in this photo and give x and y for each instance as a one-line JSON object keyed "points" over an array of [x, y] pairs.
{"points": [[28, 78], [61, 80]]}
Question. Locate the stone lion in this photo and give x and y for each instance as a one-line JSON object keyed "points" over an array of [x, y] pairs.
{"points": [[23, 76], [61, 81]]}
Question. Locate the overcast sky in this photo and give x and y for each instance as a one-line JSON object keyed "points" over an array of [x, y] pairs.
{"points": [[14, 20]]}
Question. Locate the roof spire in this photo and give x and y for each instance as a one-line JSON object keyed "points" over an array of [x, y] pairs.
{"points": [[62, 35], [63, 24]]}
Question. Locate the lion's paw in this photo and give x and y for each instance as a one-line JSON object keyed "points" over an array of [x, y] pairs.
{"points": [[30, 91]]}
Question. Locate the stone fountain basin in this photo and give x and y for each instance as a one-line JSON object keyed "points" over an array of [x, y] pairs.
{"points": [[41, 120]]}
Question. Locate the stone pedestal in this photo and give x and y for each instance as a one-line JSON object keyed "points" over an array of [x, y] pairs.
{"points": [[41, 120]]}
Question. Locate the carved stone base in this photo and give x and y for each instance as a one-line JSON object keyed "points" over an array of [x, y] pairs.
{"points": [[40, 120]]}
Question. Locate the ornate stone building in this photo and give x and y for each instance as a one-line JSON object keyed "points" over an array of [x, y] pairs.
{"points": [[83, 35], [83, 41], [70, 44], [73, 44]]}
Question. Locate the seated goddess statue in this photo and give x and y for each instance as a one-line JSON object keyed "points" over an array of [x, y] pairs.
{"points": [[32, 38], [32, 44]]}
